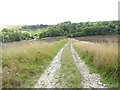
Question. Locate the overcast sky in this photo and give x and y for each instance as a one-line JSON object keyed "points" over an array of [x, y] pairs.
{"points": [[27, 12]]}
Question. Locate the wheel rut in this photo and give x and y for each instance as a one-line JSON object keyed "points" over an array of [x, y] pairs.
{"points": [[89, 80], [50, 77]]}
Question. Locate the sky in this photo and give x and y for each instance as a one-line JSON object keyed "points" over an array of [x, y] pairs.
{"points": [[31, 12]]}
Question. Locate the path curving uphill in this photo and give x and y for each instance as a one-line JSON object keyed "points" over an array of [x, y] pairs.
{"points": [[89, 80], [50, 76]]}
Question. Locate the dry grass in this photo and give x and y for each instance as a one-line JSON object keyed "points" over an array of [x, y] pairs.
{"points": [[99, 38], [23, 60], [103, 55]]}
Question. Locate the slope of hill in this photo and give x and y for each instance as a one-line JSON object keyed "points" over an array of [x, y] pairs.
{"points": [[67, 29]]}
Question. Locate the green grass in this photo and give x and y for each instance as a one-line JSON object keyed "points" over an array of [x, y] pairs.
{"points": [[107, 78], [37, 31], [1, 28], [69, 75], [24, 62], [55, 37], [15, 27]]}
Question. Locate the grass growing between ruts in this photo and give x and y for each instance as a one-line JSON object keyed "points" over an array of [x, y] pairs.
{"points": [[69, 75], [101, 58], [23, 61]]}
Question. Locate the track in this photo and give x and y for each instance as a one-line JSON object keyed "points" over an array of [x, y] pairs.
{"points": [[51, 75], [89, 80]]}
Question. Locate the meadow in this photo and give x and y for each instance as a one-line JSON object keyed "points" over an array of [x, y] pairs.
{"points": [[28, 50], [25, 61], [99, 38], [101, 56]]}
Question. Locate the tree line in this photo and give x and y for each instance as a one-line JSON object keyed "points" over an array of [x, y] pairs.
{"points": [[67, 29], [9, 35], [82, 29], [33, 27]]}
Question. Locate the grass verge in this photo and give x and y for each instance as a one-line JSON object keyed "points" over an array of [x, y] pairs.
{"points": [[24, 62], [69, 75], [101, 58]]}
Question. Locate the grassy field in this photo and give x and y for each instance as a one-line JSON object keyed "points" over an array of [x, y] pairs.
{"points": [[69, 75], [16, 27], [22, 61], [1, 28], [37, 31], [99, 38], [25, 61], [102, 58], [55, 37]]}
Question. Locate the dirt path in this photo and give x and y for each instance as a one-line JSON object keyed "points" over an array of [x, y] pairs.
{"points": [[50, 76], [89, 80]]}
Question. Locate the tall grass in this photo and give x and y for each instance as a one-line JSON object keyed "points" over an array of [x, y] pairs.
{"points": [[104, 56], [23, 60]]}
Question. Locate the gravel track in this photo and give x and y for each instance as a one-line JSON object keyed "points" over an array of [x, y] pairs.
{"points": [[89, 80], [50, 76]]}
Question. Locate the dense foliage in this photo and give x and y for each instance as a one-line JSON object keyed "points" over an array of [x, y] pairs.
{"points": [[82, 29], [9, 35], [63, 29], [23, 33]]}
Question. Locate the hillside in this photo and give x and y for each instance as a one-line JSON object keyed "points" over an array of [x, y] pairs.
{"points": [[66, 29]]}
